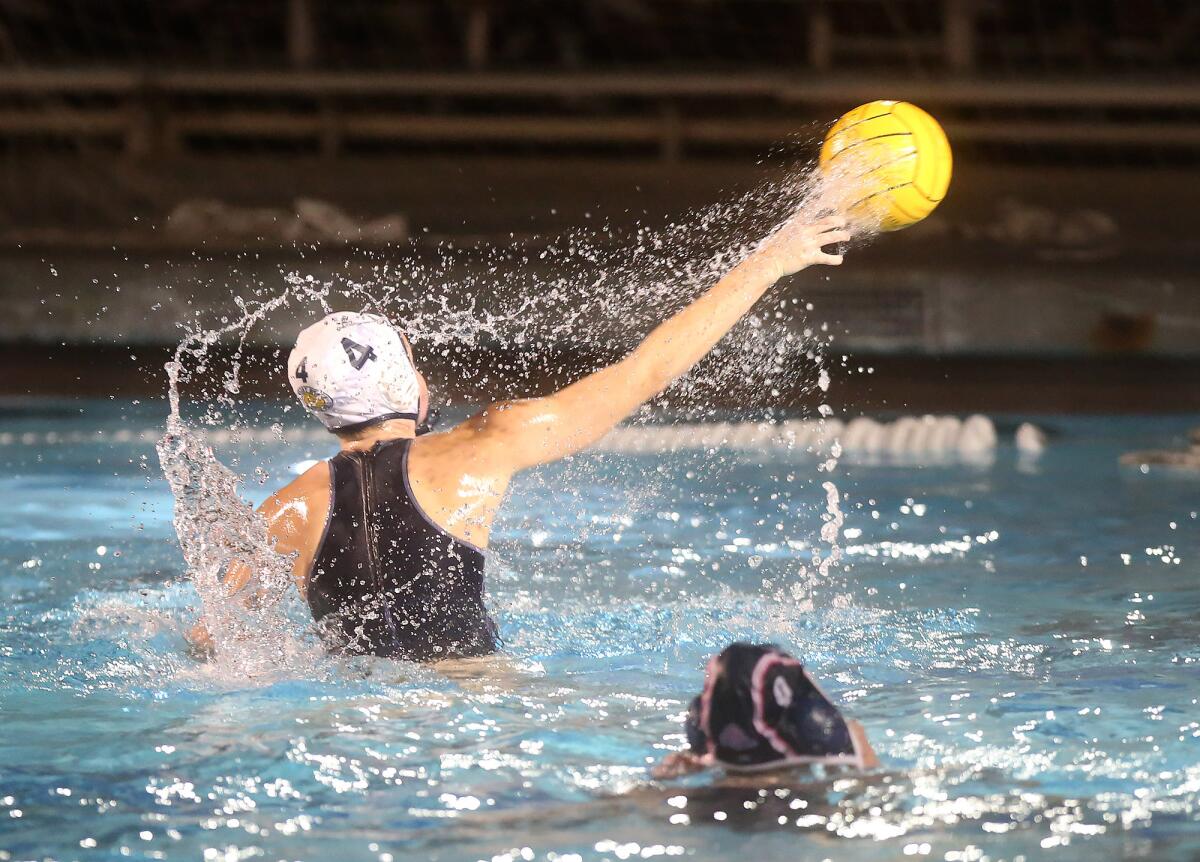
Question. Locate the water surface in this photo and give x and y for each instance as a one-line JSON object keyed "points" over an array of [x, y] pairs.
{"points": [[1021, 640]]}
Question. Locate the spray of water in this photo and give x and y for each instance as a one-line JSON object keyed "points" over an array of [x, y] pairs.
{"points": [[600, 286]]}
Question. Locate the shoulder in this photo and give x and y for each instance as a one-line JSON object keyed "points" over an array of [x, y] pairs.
{"points": [[313, 480], [477, 445], [298, 504], [509, 436]]}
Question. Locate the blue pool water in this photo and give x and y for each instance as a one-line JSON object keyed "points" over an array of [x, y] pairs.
{"points": [[1025, 703]]}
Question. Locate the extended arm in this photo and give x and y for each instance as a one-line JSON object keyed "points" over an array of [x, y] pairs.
{"points": [[539, 430]]}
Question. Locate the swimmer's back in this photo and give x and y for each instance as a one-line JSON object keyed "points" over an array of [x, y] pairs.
{"points": [[385, 578], [381, 573], [453, 477]]}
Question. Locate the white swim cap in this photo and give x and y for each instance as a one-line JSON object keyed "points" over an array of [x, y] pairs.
{"points": [[351, 370]]}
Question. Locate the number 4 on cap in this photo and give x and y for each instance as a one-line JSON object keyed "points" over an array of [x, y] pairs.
{"points": [[358, 354]]}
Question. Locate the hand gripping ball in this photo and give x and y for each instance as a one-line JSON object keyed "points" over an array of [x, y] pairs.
{"points": [[890, 163]]}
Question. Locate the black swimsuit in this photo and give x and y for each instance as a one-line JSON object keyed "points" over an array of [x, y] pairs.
{"points": [[386, 580]]}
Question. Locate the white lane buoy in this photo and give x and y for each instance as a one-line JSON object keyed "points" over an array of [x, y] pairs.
{"points": [[832, 428], [921, 435], [875, 438], [856, 433], [945, 434], [978, 435], [1030, 439], [899, 433]]}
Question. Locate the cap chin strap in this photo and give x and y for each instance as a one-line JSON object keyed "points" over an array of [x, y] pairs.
{"points": [[386, 417]]}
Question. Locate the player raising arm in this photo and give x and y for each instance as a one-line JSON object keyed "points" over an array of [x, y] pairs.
{"points": [[388, 535]]}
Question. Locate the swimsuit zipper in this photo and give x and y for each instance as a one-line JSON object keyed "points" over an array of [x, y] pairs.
{"points": [[368, 495]]}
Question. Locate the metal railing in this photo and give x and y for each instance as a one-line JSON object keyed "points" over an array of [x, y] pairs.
{"points": [[149, 113]]}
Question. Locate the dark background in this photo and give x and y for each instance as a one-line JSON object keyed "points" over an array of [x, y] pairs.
{"points": [[150, 143]]}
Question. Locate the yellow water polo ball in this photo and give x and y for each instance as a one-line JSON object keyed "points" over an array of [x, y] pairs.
{"points": [[890, 161]]}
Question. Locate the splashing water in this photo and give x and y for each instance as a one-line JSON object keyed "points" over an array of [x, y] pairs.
{"points": [[601, 283], [831, 529], [217, 529]]}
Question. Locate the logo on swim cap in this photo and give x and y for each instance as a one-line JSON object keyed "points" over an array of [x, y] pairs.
{"points": [[314, 399], [782, 692]]}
